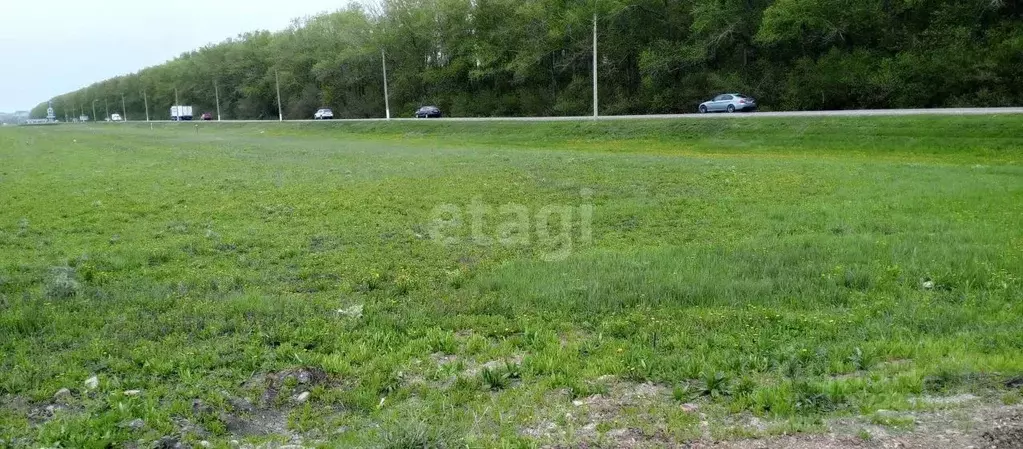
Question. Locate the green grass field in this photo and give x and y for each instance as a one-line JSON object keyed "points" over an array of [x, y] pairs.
{"points": [[503, 284]]}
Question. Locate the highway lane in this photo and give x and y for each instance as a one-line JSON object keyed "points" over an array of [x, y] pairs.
{"points": [[740, 115]]}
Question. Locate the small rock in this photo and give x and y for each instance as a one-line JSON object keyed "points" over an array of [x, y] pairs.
{"points": [[132, 392], [50, 409], [61, 393], [690, 408], [133, 424], [235, 443], [927, 285], [205, 443], [302, 397], [577, 403], [92, 383]]}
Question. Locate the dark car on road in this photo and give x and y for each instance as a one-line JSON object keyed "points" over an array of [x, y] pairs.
{"points": [[207, 116], [428, 112]]}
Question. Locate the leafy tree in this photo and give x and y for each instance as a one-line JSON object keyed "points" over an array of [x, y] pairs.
{"points": [[533, 57]]}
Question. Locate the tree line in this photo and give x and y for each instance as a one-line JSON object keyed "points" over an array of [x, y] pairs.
{"points": [[533, 57]]}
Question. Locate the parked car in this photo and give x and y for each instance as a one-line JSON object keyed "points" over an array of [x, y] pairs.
{"points": [[323, 114], [729, 103], [115, 117], [207, 116], [428, 112]]}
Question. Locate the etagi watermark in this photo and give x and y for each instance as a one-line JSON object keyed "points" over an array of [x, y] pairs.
{"points": [[554, 228]]}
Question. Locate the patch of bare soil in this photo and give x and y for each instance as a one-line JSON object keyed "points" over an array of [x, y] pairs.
{"points": [[297, 379], [974, 427], [580, 421], [963, 421], [269, 415], [39, 413], [253, 421]]}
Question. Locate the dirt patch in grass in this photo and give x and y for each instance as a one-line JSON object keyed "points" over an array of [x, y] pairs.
{"points": [[281, 391], [440, 358], [257, 423], [998, 427], [38, 413], [290, 380], [635, 415], [607, 419]]}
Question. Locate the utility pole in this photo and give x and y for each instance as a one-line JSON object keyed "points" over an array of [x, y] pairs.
{"points": [[145, 98], [176, 107], [106, 104], [387, 99], [595, 101], [123, 109], [280, 109], [216, 91], [94, 109]]}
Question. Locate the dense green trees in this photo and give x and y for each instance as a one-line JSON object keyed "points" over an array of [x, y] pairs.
{"points": [[532, 57]]}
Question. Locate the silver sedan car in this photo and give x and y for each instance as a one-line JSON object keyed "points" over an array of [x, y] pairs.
{"points": [[729, 103]]}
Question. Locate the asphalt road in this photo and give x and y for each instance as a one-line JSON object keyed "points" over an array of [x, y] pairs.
{"points": [[847, 113]]}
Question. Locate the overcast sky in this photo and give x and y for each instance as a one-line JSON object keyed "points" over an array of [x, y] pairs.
{"points": [[50, 47]]}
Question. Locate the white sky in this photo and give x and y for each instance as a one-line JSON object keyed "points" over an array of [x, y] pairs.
{"points": [[50, 47]]}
